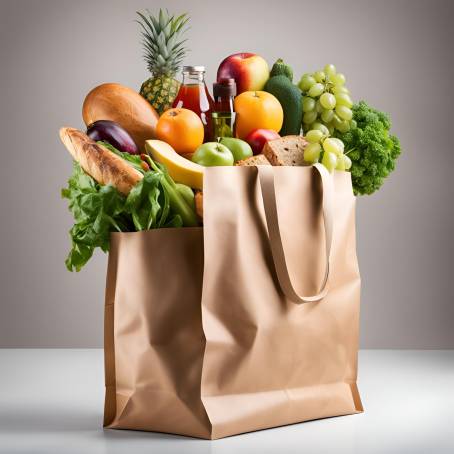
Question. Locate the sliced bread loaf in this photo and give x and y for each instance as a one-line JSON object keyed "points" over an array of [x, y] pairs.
{"points": [[286, 151], [257, 160]]}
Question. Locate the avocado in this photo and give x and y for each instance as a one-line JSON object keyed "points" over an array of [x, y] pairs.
{"points": [[290, 97], [281, 69]]}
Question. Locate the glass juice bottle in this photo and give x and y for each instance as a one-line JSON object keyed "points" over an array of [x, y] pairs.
{"points": [[194, 95], [224, 90]]}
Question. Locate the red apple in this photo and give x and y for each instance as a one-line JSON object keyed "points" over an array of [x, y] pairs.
{"points": [[258, 137], [250, 71]]}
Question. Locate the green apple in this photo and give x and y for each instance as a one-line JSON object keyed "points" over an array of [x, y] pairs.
{"points": [[213, 154], [239, 148]]}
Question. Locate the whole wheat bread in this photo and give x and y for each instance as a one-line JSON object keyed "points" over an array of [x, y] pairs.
{"points": [[258, 160], [286, 151]]}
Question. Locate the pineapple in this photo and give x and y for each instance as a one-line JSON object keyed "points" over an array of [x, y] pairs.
{"points": [[164, 52]]}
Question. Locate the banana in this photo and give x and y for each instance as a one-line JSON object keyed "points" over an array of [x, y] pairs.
{"points": [[180, 169]]}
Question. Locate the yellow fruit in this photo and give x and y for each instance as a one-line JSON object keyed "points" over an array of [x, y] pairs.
{"points": [[180, 169]]}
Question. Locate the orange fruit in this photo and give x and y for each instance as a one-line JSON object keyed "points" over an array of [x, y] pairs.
{"points": [[257, 110], [180, 128]]}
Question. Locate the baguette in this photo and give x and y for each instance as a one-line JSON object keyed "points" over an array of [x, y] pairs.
{"points": [[99, 162]]}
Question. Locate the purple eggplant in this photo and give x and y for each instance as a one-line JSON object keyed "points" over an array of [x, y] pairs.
{"points": [[114, 134]]}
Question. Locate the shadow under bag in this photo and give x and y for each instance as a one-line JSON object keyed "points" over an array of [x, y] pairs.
{"points": [[208, 331]]}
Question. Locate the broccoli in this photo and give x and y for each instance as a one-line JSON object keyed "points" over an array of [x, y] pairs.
{"points": [[372, 150]]}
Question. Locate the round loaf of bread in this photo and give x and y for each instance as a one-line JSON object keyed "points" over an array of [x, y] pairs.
{"points": [[126, 107]]}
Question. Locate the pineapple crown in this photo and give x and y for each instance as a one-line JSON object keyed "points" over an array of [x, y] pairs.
{"points": [[163, 46]]}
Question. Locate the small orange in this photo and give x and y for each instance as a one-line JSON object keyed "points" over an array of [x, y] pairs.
{"points": [[257, 110], [180, 128]]}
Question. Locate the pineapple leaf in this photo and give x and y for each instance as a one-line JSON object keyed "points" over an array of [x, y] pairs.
{"points": [[154, 21], [164, 48], [166, 30], [162, 19], [171, 43], [180, 22]]}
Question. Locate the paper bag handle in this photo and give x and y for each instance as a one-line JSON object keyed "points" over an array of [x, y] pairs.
{"points": [[266, 178]]}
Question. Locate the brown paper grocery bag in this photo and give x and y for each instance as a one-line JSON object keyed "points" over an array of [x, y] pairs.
{"points": [[247, 323]]}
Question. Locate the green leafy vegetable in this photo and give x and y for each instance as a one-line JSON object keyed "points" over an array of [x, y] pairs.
{"points": [[187, 194], [148, 204], [372, 150], [133, 159], [155, 202], [177, 202], [97, 210]]}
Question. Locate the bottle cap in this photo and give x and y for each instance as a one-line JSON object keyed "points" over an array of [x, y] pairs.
{"points": [[193, 69], [224, 88]]}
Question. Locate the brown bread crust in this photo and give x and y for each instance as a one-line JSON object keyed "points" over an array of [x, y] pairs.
{"points": [[199, 204], [257, 160], [99, 162], [286, 151]]}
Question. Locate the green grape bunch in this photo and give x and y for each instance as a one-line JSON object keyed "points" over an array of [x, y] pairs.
{"points": [[327, 150], [326, 101]]}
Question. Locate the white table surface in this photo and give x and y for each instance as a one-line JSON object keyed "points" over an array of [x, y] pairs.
{"points": [[51, 401]]}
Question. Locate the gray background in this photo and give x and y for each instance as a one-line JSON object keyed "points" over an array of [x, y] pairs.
{"points": [[395, 54]]}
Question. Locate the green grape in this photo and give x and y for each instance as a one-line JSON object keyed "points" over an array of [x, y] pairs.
{"points": [[330, 128], [339, 142], [319, 76], [329, 160], [309, 117], [306, 127], [316, 90], [320, 127], [343, 99], [336, 121], [344, 126], [328, 101], [338, 79], [318, 106], [344, 112], [347, 162], [337, 89], [306, 82], [314, 135], [353, 124], [332, 146], [329, 70], [327, 115], [312, 152], [308, 104], [340, 163]]}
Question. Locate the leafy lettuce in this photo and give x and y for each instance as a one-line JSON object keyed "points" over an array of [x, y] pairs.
{"points": [[100, 210], [97, 210]]}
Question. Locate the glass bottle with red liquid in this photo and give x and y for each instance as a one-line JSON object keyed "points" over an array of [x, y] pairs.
{"points": [[194, 95]]}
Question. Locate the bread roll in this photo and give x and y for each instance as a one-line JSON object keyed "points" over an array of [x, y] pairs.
{"points": [[99, 162], [198, 199], [126, 107]]}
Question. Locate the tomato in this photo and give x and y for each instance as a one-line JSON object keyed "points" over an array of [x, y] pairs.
{"points": [[258, 138], [180, 128]]}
